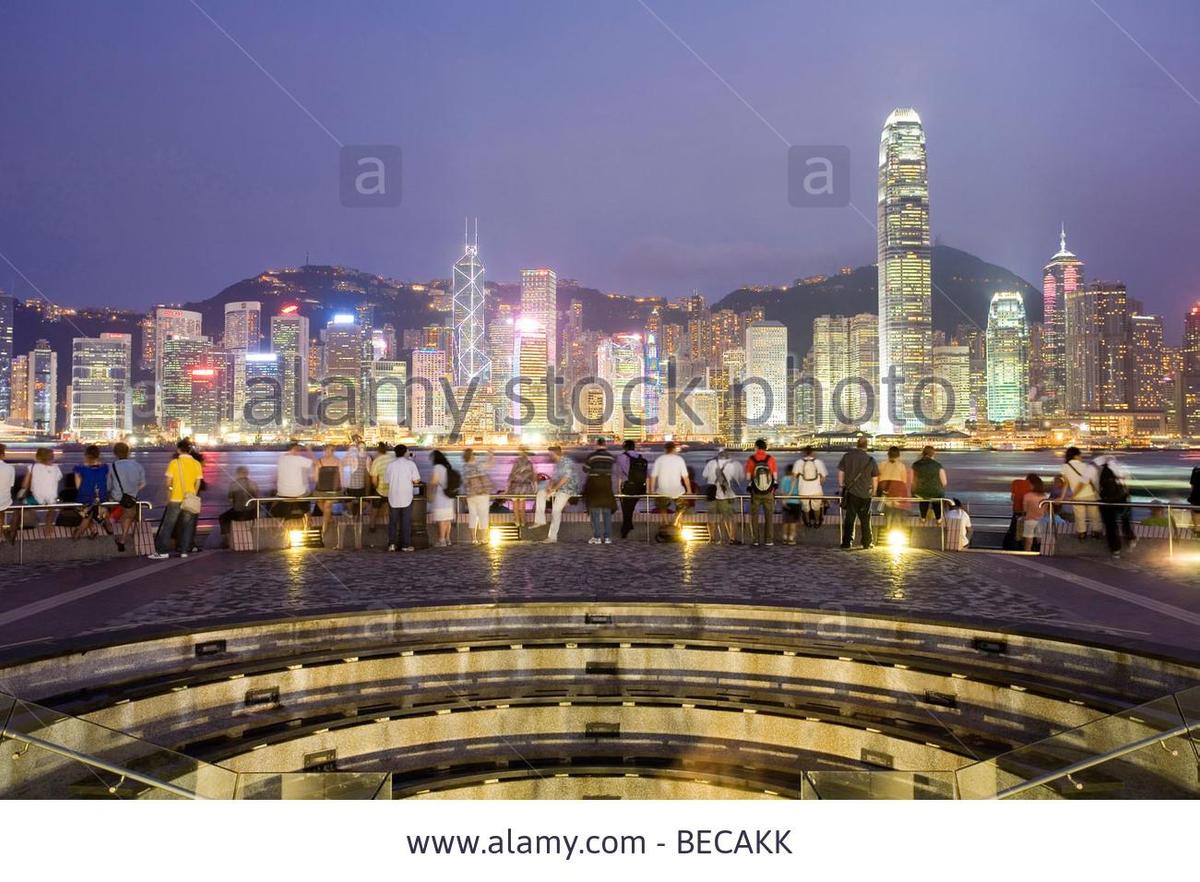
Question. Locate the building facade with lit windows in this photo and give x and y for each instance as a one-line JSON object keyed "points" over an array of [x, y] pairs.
{"points": [[101, 403], [1062, 277], [427, 399], [952, 394], [1146, 361], [290, 338], [170, 322], [1097, 333], [767, 367], [7, 314], [472, 360], [43, 388], [1191, 372], [1007, 358], [539, 303], [180, 357], [243, 326], [905, 298]]}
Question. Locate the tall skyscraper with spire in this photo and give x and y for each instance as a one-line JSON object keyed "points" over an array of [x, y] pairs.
{"points": [[471, 360], [1062, 277], [905, 299]]}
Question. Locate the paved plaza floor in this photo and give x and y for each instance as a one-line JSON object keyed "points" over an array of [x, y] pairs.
{"points": [[1148, 605]]}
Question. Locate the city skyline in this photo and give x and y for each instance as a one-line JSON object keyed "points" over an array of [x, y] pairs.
{"points": [[626, 225]]}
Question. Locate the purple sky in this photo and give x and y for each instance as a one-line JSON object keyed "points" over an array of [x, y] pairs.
{"points": [[144, 158]]}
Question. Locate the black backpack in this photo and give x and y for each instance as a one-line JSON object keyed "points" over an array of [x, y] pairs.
{"points": [[761, 479], [453, 482], [1111, 487], [639, 468]]}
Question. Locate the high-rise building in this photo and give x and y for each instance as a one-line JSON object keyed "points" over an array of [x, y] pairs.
{"points": [[7, 310], [101, 401], [1096, 332], [620, 362], [19, 410], [1171, 390], [258, 377], [387, 400], [43, 388], [767, 369], [1146, 361], [342, 368], [844, 371], [530, 407], [1191, 373], [905, 300], [952, 393], [471, 360], [289, 337], [243, 326], [428, 399], [146, 342], [170, 322], [1062, 277], [180, 411], [1007, 358], [539, 302]]}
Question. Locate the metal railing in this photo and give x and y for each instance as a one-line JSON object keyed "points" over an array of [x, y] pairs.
{"points": [[19, 525], [1050, 528]]}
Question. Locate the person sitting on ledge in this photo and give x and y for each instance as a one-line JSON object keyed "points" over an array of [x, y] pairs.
{"points": [[293, 469], [241, 491]]}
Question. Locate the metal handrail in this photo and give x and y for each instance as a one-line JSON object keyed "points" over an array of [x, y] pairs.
{"points": [[1169, 507], [19, 526]]}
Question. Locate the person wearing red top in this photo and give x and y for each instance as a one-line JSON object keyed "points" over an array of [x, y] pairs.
{"points": [[762, 492], [1017, 491]]}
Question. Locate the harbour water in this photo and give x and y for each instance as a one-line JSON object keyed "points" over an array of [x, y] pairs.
{"points": [[979, 478]]}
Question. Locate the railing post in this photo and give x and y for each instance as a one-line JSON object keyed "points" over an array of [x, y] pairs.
{"points": [[1170, 533]]}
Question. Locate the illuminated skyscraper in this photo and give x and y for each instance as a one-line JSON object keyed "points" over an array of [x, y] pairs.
{"points": [[428, 398], [289, 337], [180, 357], [471, 359], [1146, 361], [43, 388], [830, 370], [905, 305], [1007, 358], [387, 400], [1063, 276], [243, 326], [19, 410], [620, 362], [766, 366], [952, 395], [1096, 332], [256, 377], [530, 411], [1191, 372], [342, 369], [170, 322], [539, 302], [7, 307], [101, 404]]}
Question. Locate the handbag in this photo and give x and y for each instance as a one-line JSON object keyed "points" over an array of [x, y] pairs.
{"points": [[128, 500], [191, 503]]}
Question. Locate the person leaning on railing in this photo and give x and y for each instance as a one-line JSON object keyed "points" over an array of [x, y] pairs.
{"points": [[241, 491], [42, 481], [126, 480], [184, 474], [858, 479], [401, 477]]}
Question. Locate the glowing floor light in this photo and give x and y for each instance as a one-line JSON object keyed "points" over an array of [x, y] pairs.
{"points": [[897, 539], [297, 538], [689, 533], [495, 536]]}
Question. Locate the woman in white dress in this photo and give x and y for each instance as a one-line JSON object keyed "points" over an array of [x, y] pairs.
{"points": [[442, 504]]}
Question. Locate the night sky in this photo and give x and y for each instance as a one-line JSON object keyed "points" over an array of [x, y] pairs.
{"points": [[144, 158]]}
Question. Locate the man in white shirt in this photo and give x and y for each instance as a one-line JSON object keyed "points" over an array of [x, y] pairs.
{"points": [[810, 474], [669, 481], [401, 475], [1082, 479], [8, 477], [293, 469], [723, 474]]}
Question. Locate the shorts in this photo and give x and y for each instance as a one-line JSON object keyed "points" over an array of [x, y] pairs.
{"points": [[381, 501], [664, 503], [723, 507], [357, 492], [1029, 529], [791, 513]]}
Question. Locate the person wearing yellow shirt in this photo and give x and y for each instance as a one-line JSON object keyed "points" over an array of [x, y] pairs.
{"points": [[183, 476]]}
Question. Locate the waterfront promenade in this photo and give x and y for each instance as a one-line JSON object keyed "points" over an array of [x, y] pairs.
{"points": [[1143, 601]]}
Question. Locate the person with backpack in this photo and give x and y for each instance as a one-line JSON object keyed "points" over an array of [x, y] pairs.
{"points": [[810, 475], [632, 471], [762, 475], [858, 480], [720, 476], [929, 485], [598, 492], [444, 485], [1112, 489], [1081, 481]]}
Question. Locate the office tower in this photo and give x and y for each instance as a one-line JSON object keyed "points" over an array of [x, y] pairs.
{"points": [[170, 322], [656, 383], [726, 333], [1007, 358], [766, 363], [387, 401], [243, 326], [471, 359], [180, 357], [1171, 387], [341, 370], [830, 371], [19, 409], [952, 393], [259, 377], [530, 407], [1096, 334], [146, 357], [1062, 277], [620, 362], [539, 303], [43, 388], [316, 364], [7, 310], [862, 396], [289, 337], [1146, 361], [428, 399], [1191, 373], [383, 340], [905, 305], [101, 403], [975, 339]]}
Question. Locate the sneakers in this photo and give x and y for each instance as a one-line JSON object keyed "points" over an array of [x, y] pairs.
{"points": [[157, 556], [594, 541], [608, 541], [183, 555], [391, 548], [408, 548], [768, 543], [549, 541]]}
